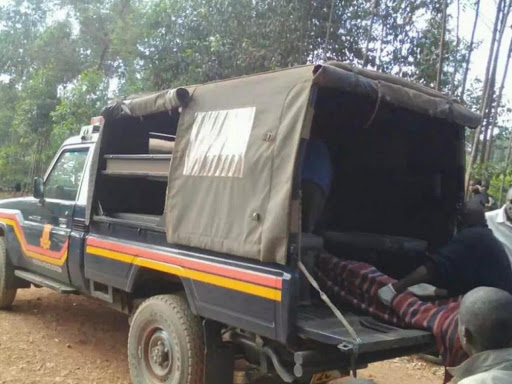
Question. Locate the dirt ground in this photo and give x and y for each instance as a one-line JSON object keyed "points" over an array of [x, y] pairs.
{"points": [[50, 338]]}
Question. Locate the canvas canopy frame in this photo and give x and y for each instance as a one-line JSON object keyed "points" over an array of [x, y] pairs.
{"points": [[236, 151]]}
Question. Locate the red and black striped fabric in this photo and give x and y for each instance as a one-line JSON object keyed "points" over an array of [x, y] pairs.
{"points": [[355, 284]]}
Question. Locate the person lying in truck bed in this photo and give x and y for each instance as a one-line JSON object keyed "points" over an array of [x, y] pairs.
{"points": [[473, 258]]}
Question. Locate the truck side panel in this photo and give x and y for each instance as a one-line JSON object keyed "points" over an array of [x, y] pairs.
{"points": [[24, 244], [238, 293]]}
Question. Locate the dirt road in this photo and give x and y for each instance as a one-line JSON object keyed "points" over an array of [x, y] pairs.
{"points": [[50, 338]]}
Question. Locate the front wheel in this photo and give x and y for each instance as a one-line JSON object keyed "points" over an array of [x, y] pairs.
{"points": [[7, 295], [165, 344]]}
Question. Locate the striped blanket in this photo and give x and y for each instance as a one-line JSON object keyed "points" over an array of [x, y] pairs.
{"points": [[355, 284]]}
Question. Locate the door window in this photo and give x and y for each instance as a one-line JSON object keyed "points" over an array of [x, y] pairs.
{"points": [[64, 180]]}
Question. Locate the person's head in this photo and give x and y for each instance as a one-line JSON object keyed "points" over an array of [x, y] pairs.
{"points": [[485, 320], [476, 182], [472, 214], [476, 186]]}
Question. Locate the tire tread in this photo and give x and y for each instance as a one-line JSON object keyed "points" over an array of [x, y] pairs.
{"points": [[7, 295]]}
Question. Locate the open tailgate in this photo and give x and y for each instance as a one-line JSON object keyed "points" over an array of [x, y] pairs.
{"points": [[379, 341]]}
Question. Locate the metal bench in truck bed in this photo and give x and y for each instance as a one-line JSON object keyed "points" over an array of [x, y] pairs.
{"points": [[138, 165]]}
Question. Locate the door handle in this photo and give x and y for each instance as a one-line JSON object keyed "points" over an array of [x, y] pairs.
{"points": [[63, 222], [34, 218]]}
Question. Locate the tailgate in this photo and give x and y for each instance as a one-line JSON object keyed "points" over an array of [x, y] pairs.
{"points": [[379, 341]]}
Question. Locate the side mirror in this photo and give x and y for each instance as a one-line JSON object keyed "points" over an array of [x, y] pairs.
{"points": [[39, 188]]}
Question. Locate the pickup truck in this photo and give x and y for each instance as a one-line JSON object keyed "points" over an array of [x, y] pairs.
{"points": [[183, 209]]}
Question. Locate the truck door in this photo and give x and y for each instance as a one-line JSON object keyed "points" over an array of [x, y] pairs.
{"points": [[47, 223]]}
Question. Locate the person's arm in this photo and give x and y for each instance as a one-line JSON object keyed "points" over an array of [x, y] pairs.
{"points": [[444, 268], [424, 274]]}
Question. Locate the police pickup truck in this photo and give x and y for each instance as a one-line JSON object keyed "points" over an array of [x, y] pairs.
{"points": [[183, 209]]}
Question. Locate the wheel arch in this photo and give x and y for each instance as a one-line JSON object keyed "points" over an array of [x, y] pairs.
{"points": [[14, 282], [144, 283], [3, 235]]}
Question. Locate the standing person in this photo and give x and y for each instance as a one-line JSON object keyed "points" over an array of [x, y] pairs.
{"points": [[17, 190], [485, 331], [491, 200], [500, 222], [473, 258], [479, 194]]}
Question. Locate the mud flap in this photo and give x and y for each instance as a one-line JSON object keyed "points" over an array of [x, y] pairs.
{"points": [[219, 362]]}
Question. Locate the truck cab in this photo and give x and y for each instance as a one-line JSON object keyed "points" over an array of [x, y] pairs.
{"points": [[47, 225], [183, 209]]}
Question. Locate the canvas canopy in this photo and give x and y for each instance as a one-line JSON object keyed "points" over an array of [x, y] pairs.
{"points": [[231, 177]]}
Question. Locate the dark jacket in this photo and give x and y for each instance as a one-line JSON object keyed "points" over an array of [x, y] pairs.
{"points": [[473, 258]]}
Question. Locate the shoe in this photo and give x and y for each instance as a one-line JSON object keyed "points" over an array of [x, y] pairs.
{"points": [[423, 290], [386, 294]]}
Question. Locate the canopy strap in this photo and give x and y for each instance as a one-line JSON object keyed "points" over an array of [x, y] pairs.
{"points": [[377, 105], [345, 347]]}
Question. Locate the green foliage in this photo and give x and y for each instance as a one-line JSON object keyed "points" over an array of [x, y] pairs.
{"points": [[495, 187], [78, 103], [60, 60]]}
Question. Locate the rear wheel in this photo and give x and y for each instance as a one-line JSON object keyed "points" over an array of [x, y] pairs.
{"points": [[166, 344], [7, 295]]}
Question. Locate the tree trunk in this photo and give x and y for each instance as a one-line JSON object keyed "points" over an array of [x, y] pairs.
{"points": [[329, 26], [303, 32], [457, 45], [492, 84], [487, 122], [31, 171], [103, 56], [485, 95], [470, 50], [507, 161], [381, 42], [441, 47], [494, 119], [375, 5]]}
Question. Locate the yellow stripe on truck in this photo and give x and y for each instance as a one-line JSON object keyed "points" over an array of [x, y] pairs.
{"points": [[31, 254], [236, 285]]}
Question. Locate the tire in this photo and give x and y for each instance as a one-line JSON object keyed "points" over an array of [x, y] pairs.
{"points": [[7, 295], [165, 344]]}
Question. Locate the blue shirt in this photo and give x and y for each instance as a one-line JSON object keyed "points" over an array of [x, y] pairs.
{"points": [[316, 165]]}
